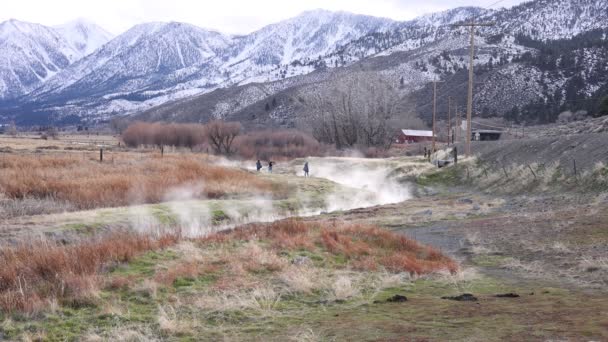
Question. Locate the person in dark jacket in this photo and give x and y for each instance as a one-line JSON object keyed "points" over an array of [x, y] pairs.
{"points": [[270, 163], [258, 165], [306, 169]]}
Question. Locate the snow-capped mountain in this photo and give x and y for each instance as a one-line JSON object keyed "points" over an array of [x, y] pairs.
{"points": [[155, 63], [426, 49], [147, 55], [550, 19], [85, 36], [306, 37], [30, 54]]}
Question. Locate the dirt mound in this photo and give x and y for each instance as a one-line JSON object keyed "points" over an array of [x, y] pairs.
{"points": [[465, 297], [586, 149], [596, 125]]}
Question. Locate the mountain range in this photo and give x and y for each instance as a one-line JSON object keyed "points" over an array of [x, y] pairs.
{"points": [[180, 72]]}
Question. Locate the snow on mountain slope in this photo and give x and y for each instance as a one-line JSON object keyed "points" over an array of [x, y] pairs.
{"points": [[30, 54], [307, 36], [85, 36], [539, 19], [147, 55], [159, 62], [551, 19], [156, 62]]}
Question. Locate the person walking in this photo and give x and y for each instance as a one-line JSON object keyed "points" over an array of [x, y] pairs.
{"points": [[306, 169], [270, 166], [258, 165]]}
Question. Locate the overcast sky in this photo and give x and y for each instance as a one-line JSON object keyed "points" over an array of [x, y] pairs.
{"points": [[228, 16]]}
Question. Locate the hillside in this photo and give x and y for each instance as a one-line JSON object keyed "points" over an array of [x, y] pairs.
{"points": [[179, 72], [516, 68]]}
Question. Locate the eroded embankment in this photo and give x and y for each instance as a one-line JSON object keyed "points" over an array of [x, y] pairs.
{"points": [[560, 151]]}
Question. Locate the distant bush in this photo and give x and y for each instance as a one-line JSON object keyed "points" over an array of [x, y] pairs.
{"points": [[158, 134], [218, 134], [279, 144], [225, 138]]}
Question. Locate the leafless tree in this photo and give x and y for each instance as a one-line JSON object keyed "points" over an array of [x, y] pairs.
{"points": [[221, 135], [358, 109], [52, 132], [12, 130], [119, 124]]}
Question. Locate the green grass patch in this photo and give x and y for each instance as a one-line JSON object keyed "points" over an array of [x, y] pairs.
{"points": [[488, 260], [145, 265], [450, 176]]}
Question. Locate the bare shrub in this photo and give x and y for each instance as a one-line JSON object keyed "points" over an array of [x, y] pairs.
{"points": [[13, 207], [221, 135], [344, 288], [300, 279], [267, 145], [12, 130], [52, 133], [158, 134]]}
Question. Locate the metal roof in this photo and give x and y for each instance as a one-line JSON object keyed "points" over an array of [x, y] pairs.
{"points": [[417, 133]]}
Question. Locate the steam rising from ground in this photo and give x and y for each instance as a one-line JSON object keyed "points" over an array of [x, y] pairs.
{"points": [[360, 183], [373, 177]]}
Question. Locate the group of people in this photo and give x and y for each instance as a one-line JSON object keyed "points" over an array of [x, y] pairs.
{"points": [[258, 166]]}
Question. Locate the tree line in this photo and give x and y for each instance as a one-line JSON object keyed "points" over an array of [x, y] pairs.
{"points": [[217, 134]]}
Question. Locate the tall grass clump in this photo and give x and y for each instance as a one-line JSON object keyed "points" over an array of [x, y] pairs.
{"points": [[88, 184], [36, 273], [364, 247]]}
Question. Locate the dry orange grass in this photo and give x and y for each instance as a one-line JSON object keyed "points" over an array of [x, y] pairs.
{"points": [[364, 247], [125, 180], [34, 273]]}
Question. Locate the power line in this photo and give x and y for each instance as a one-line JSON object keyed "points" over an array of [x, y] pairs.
{"points": [[471, 19], [472, 25]]}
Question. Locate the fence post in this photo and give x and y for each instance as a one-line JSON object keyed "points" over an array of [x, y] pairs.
{"points": [[575, 171], [101, 155], [534, 174]]}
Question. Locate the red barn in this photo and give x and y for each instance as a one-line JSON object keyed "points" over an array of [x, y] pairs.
{"points": [[413, 136]]}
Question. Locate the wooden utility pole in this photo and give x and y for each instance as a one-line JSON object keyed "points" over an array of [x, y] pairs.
{"points": [[472, 24], [458, 123], [434, 113], [449, 118]]}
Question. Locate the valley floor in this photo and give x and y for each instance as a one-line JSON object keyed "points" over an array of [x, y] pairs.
{"points": [[536, 263]]}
